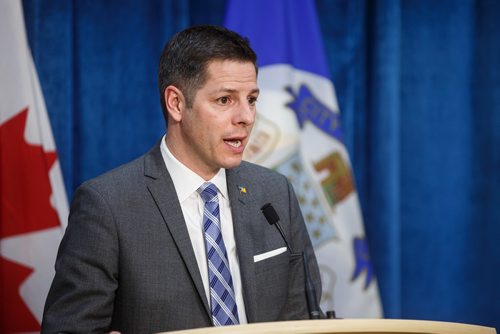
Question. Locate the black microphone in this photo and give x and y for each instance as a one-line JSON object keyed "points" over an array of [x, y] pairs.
{"points": [[273, 219], [312, 303]]}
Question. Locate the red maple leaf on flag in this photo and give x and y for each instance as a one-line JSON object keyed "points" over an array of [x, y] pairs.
{"points": [[25, 207]]}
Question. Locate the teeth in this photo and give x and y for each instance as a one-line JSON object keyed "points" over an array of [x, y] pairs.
{"points": [[234, 143]]}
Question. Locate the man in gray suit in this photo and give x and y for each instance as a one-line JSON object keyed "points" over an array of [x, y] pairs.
{"points": [[138, 255]]}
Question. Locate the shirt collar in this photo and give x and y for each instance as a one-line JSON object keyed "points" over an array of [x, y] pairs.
{"points": [[186, 182]]}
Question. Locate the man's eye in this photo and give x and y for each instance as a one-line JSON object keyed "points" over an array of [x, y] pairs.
{"points": [[223, 100], [252, 100]]}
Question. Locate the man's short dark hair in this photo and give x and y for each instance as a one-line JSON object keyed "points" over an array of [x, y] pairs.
{"points": [[186, 56]]}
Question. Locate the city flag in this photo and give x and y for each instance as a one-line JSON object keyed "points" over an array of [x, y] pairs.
{"points": [[33, 200], [298, 133]]}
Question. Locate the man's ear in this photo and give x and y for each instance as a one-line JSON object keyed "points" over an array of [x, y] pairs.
{"points": [[175, 102]]}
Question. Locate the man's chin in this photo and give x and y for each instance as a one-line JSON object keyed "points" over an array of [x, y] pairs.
{"points": [[232, 163]]}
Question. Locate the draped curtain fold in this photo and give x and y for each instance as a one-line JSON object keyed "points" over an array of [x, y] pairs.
{"points": [[418, 84]]}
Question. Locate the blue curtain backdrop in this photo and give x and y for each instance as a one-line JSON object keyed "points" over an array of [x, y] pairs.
{"points": [[418, 84]]}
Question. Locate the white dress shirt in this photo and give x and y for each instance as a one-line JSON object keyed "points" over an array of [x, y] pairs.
{"points": [[186, 183]]}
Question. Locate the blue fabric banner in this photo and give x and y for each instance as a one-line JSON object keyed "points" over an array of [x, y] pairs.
{"points": [[281, 32]]}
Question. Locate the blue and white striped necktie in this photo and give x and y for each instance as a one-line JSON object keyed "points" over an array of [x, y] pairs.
{"points": [[222, 298]]}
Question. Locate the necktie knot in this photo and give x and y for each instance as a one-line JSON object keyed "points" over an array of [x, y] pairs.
{"points": [[208, 192]]}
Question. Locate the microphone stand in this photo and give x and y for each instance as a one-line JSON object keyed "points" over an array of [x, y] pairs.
{"points": [[312, 302]]}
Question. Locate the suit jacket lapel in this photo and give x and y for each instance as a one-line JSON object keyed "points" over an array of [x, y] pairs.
{"points": [[162, 189], [244, 239]]}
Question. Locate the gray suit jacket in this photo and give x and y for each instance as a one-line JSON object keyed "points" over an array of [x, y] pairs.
{"points": [[126, 261]]}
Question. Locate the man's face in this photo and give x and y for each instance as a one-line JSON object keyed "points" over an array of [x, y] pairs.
{"points": [[215, 130]]}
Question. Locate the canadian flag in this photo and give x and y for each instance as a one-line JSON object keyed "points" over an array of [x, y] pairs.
{"points": [[34, 205]]}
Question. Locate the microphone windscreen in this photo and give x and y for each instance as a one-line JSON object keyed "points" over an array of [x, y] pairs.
{"points": [[270, 214]]}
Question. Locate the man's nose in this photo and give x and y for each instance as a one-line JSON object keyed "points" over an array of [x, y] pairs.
{"points": [[245, 114]]}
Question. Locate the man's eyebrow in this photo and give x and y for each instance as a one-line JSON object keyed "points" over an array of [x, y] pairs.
{"points": [[231, 90]]}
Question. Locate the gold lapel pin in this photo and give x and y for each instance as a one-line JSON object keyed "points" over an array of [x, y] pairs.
{"points": [[242, 190]]}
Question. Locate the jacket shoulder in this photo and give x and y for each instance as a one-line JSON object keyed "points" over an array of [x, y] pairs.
{"points": [[263, 176], [251, 168], [128, 176]]}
